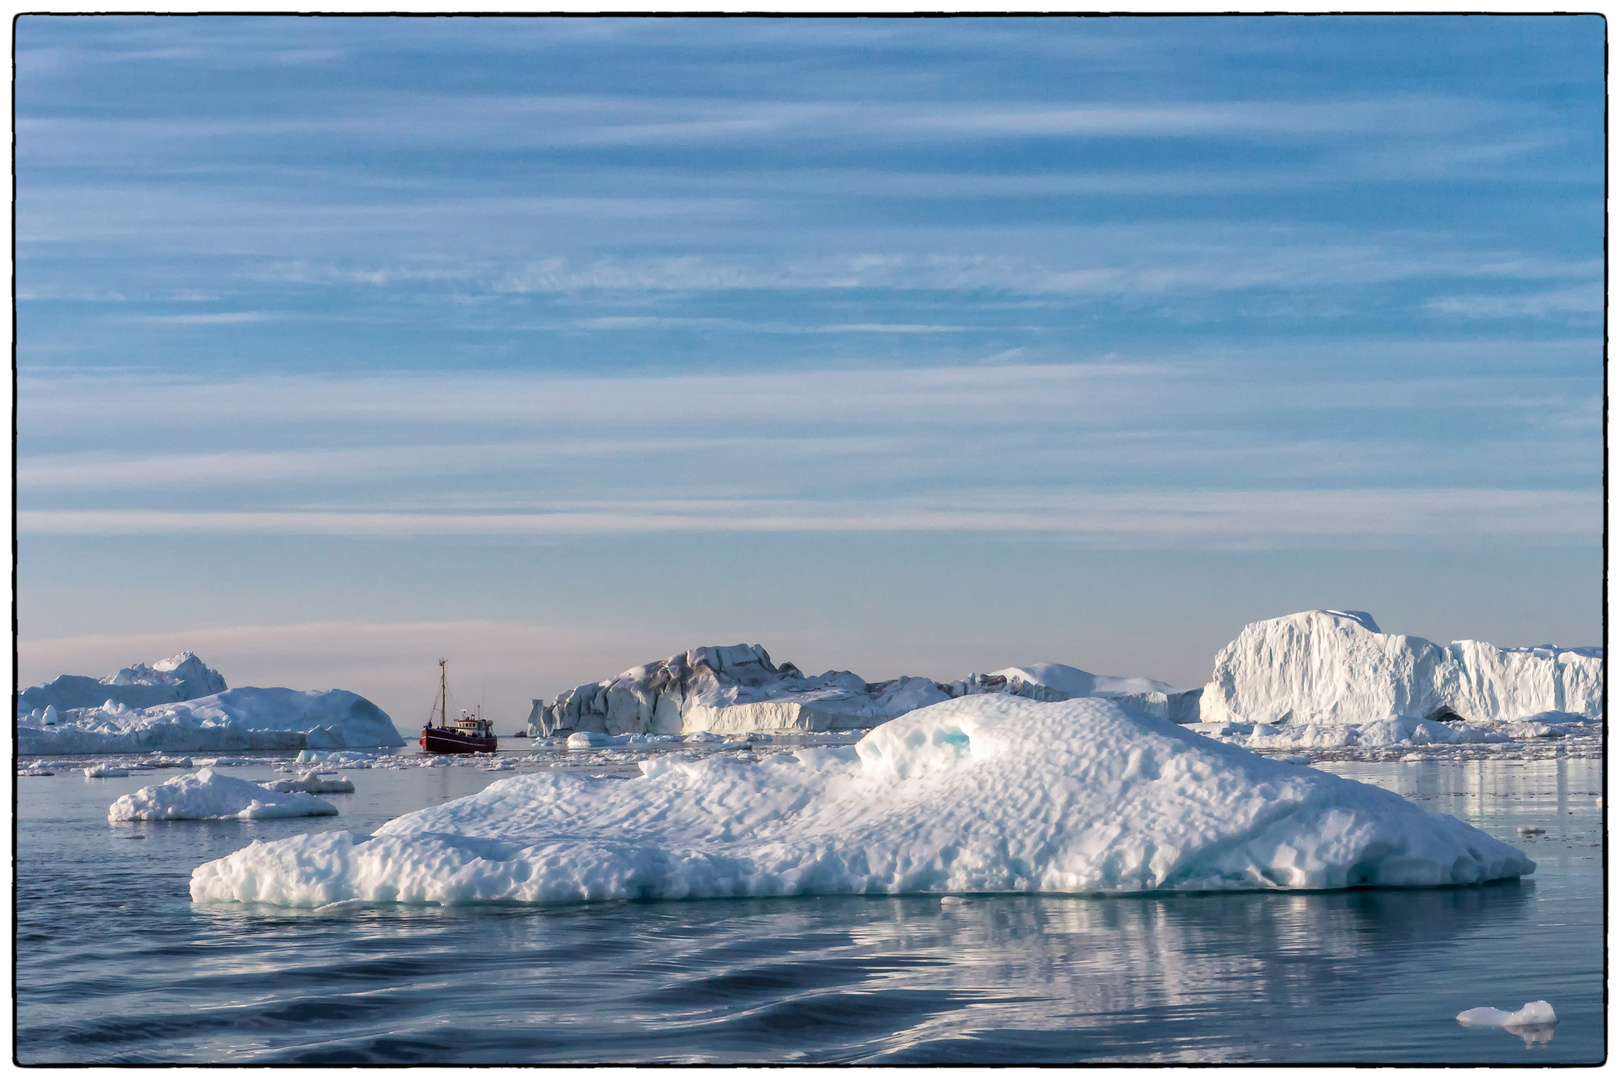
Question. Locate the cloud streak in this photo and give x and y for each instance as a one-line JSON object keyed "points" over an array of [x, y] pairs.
{"points": [[1220, 518]]}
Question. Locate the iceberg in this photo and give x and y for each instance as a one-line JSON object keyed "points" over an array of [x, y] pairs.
{"points": [[1336, 667], [723, 689], [247, 718], [737, 690], [990, 793], [179, 678], [207, 795]]}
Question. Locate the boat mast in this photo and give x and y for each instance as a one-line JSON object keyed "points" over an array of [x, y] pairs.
{"points": [[444, 717]]}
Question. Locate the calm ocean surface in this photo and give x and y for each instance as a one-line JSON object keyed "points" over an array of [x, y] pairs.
{"points": [[114, 964]]}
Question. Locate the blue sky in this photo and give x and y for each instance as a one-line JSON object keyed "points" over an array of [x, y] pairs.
{"points": [[555, 346]]}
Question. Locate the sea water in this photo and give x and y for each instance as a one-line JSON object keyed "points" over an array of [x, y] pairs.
{"points": [[116, 965]]}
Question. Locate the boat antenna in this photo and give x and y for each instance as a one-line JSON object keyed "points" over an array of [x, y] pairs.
{"points": [[444, 694]]}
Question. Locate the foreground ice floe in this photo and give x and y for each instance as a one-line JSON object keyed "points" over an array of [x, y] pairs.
{"points": [[1337, 667], [247, 718], [981, 794], [207, 795]]}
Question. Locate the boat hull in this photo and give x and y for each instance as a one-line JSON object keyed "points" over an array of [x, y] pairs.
{"points": [[444, 741]]}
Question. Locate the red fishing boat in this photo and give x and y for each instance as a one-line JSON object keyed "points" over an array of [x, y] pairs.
{"points": [[469, 734]]}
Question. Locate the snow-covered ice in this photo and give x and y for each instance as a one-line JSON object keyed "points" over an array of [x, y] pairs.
{"points": [[247, 718], [983, 794], [1336, 667], [736, 689], [101, 772], [208, 795]]}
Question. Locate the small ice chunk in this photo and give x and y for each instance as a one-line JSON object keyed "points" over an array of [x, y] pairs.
{"points": [[100, 772], [208, 796], [1533, 1014], [312, 784], [585, 740], [952, 901]]}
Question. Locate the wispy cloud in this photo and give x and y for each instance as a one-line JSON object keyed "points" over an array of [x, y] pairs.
{"points": [[1576, 300], [223, 318], [1251, 519]]}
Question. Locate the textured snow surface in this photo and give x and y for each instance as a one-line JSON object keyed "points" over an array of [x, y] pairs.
{"points": [[990, 793], [207, 795], [247, 718], [1534, 1013], [1333, 667], [179, 678], [736, 689]]}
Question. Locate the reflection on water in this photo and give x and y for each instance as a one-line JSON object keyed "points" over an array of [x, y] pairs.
{"points": [[115, 964], [1533, 1033]]}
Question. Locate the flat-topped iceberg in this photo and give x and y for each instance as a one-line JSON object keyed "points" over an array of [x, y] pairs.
{"points": [[737, 690], [984, 794], [140, 686], [1337, 667], [247, 718], [208, 795]]}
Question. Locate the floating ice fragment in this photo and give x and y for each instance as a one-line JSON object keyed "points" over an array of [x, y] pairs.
{"points": [[952, 901], [99, 772], [312, 784], [351, 758], [1533, 1014], [208, 795], [585, 740], [1531, 830]]}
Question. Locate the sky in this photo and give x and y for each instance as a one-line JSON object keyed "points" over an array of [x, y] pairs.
{"points": [[555, 346]]}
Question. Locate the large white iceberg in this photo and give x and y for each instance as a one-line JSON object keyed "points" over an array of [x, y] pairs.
{"points": [[209, 795], [140, 686], [1337, 667], [736, 689], [985, 794], [247, 718]]}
